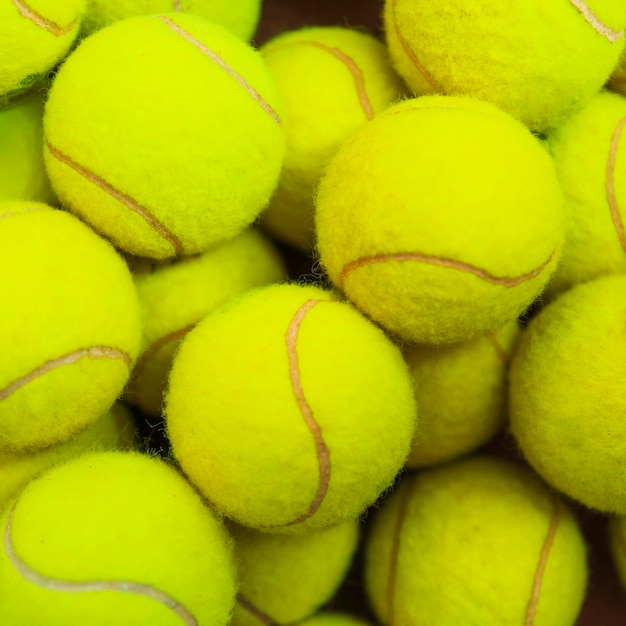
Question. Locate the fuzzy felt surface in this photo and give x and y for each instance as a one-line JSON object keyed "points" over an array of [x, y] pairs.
{"points": [[590, 155], [441, 219], [114, 430], [175, 297], [35, 35], [479, 542], [73, 329], [289, 578], [287, 381], [567, 400], [461, 393], [163, 132], [22, 172], [238, 16], [538, 61], [332, 80], [80, 546]]}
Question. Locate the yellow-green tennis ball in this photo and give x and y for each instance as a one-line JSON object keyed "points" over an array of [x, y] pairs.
{"points": [[591, 165], [538, 61], [567, 398], [70, 329], [334, 619], [479, 542], [114, 538], [441, 219], [114, 430], [22, 172], [35, 36], [175, 297], [332, 80], [286, 381], [617, 539], [461, 393], [286, 578], [162, 132], [238, 16]]}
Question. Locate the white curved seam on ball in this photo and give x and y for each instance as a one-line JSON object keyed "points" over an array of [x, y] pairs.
{"points": [[93, 352], [590, 17], [322, 451], [531, 610], [262, 617], [219, 61], [610, 183], [129, 202], [43, 22], [66, 586], [504, 281]]}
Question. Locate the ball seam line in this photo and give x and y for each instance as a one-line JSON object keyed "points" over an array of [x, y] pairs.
{"points": [[129, 202], [93, 352], [262, 617], [409, 51], [591, 18], [396, 540], [254, 94], [531, 609], [499, 350], [43, 22], [31, 210], [322, 451], [156, 346], [610, 183], [348, 61], [68, 586], [177, 5], [505, 281]]}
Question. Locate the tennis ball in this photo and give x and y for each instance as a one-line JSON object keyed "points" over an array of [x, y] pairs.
{"points": [[35, 36], [617, 82], [284, 579], [161, 161], [537, 61], [239, 16], [332, 80], [70, 330], [461, 393], [617, 539], [587, 152], [567, 400], [441, 219], [114, 537], [479, 542], [175, 297], [288, 381], [115, 429], [22, 172]]}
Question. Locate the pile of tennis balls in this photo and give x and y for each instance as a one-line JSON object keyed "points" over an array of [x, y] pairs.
{"points": [[460, 190]]}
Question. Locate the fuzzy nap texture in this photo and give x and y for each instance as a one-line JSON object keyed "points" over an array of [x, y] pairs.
{"points": [[175, 297], [22, 172], [441, 219], [590, 157], [72, 331], [114, 538], [332, 80], [479, 542], [567, 399], [114, 430], [238, 16], [461, 393], [163, 133], [288, 382], [537, 60], [288, 578], [35, 36]]}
